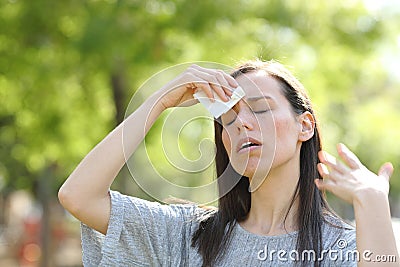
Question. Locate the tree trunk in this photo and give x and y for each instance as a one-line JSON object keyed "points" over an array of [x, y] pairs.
{"points": [[118, 90], [118, 86], [45, 197]]}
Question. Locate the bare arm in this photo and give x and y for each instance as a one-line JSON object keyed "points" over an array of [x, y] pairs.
{"points": [[368, 193], [375, 235], [85, 192]]}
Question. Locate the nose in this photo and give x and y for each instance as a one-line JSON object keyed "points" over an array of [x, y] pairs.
{"points": [[245, 117]]}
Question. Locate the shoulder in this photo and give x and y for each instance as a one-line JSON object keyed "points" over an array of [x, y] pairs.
{"points": [[338, 234], [133, 206], [145, 232], [339, 241]]}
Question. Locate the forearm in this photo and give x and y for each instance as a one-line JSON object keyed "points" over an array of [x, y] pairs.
{"points": [[96, 172], [374, 230]]}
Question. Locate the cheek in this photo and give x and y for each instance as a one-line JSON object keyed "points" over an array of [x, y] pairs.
{"points": [[286, 132], [227, 142], [283, 127], [279, 134]]}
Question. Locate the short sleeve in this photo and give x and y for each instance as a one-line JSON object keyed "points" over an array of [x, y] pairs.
{"points": [[141, 233], [340, 244]]}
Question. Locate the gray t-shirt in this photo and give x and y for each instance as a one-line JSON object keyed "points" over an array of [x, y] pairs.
{"points": [[144, 233]]}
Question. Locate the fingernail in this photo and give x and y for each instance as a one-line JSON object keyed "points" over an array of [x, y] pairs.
{"points": [[329, 157], [343, 147], [388, 168], [229, 90], [324, 169]]}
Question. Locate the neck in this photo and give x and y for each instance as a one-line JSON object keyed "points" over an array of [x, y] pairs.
{"points": [[272, 211]]}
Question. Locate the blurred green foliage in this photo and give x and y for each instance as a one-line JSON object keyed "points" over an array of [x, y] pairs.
{"points": [[69, 68]]}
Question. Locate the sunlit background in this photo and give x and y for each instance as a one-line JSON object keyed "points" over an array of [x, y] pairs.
{"points": [[68, 70]]}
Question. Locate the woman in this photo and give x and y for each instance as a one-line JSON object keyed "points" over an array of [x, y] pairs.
{"points": [[274, 215]]}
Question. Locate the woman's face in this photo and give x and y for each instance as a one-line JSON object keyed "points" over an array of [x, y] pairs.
{"points": [[261, 132]]}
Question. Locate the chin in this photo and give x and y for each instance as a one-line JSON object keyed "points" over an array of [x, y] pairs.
{"points": [[252, 168]]}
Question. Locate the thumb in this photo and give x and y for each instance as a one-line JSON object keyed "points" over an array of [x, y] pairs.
{"points": [[386, 170]]}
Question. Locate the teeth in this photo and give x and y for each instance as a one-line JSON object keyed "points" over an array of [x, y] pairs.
{"points": [[246, 144]]}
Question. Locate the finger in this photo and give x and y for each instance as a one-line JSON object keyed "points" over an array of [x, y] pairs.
{"points": [[218, 78], [324, 184], [348, 157], [323, 170], [332, 162], [230, 81], [213, 83], [320, 184], [207, 90], [227, 82], [224, 83], [191, 86], [203, 86], [194, 83], [330, 174], [386, 170]]}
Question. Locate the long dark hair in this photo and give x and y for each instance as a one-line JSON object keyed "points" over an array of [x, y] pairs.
{"points": [[213, 234]]}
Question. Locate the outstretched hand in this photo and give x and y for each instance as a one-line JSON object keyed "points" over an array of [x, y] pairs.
{"points": [[349, 179]]}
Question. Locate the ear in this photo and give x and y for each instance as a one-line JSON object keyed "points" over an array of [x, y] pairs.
{"points": [[307, 124]]}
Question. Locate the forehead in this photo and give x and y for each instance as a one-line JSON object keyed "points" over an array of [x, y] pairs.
{"points": [[258, 83]]}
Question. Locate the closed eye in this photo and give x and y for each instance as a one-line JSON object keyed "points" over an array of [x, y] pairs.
{"points": [[231, 122], [231, 117], [257, 105], [261, 111]]}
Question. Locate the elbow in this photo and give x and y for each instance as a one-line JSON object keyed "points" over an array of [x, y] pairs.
{"points": [[67, 200]]}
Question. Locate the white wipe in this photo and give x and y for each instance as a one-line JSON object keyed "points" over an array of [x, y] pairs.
{"points": [[219, 107]]}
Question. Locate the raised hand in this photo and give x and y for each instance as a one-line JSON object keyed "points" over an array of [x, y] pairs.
{"points": [[179, 91], [349, 179]]}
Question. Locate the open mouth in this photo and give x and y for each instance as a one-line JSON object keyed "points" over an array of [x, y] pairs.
{"points": [[249, 143]]}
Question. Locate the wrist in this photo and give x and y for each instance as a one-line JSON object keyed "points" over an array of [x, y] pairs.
{"points": [[157, 105], [366, 197]]}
